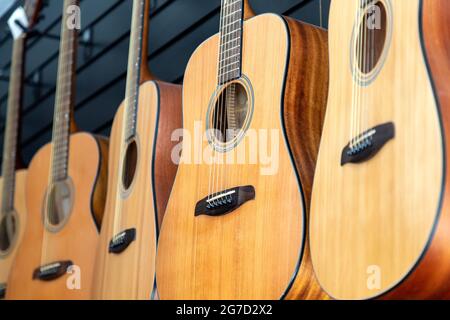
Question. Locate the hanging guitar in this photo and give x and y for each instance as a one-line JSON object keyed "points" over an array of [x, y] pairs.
{"points": [[65, 196], [380, 214], [12, 183], [141, 174], [230, 226]]}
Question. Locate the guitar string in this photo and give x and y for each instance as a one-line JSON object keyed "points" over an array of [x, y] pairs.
{"points": [[363, 68], [354, 57], [226, 70], [219, 111], [237, 13], [359, 70], [228, 89], [358, 73], [366, 57], [213, 115], [372, 53], [223, 107]]}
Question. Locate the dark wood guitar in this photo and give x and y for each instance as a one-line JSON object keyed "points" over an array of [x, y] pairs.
{"points": [[12, 183], [65, 196], [237, 229], [141, 174], [380, 219]]}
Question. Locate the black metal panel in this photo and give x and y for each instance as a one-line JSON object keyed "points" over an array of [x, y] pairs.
{"points": [[177, 28]]}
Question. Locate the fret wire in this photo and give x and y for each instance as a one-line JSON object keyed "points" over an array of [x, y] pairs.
{"points": [[236, 39]]}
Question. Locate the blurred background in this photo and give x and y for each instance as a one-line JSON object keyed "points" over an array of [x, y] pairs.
{"points": [[177, 27]]}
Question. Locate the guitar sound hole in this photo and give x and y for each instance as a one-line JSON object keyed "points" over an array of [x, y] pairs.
{"points": [[129, 165], [230, 112], [372, 33], [59, 204], [8, 227]]}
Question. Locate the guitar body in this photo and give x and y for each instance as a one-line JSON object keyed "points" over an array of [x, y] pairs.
{"points": [[77, 240], [131, 274], [381, 228], [7, 259], [235, 256]]}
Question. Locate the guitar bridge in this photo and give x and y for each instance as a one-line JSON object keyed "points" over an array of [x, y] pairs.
{"points": [[225, 201], [122, 240], [368, 144], [51, 271]]}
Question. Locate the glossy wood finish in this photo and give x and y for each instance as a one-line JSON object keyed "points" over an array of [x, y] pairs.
{"points": [[304, 113], [431, 277], [78, 239], [377, 218], [170, 119], [253, 252], [19, 205]]}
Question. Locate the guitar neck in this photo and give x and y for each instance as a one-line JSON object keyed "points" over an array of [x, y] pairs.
{"points": [[230, 50], [135, 61], [10, 151], [65, 95]]}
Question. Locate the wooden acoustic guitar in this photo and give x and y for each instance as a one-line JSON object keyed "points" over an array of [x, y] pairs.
{"points": [[141, 174], [12, 183], [237, 230], [380, 219], [65, 196]]}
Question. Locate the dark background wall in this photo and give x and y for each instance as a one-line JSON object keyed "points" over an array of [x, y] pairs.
{"points": [[177, 27]]}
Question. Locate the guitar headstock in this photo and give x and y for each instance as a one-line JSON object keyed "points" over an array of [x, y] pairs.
{"points": [[32, 9]]}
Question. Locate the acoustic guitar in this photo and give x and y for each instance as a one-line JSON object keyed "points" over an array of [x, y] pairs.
{"points": [[12, 183], [380, 219], [236, 220], [65, 196], [141, 174]]}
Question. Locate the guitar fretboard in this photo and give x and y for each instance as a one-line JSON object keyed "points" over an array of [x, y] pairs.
{"points": [[65, 97], [134, 68], [12, 124], [230, 50]]}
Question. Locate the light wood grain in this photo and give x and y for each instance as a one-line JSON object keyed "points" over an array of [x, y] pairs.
{"points": [[430, 279], [253, 252], [20, 207], [130, 275], [77, 241], [382, 212]]}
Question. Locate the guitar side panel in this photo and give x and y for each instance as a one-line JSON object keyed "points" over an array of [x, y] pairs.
{"points": [[170, 119], [304, 111]]}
